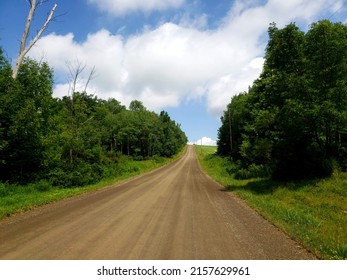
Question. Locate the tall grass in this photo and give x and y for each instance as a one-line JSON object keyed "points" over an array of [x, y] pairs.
{"points": [[314, 212], [17, 198]]}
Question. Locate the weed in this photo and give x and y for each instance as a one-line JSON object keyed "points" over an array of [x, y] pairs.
{"points": [[342, 251], [43, 186], [61, 185], [311, 211], [3, 190]]}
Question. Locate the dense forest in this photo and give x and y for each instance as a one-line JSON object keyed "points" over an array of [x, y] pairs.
{"points": [[292, 122], [76, 140]]}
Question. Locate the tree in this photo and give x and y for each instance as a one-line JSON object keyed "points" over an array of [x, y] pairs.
{"points": [[326, 53], [233, 127], [28, 108], [295, 119], [172, 137], [24, 48], [136, 106], [6, 84], [75, 140]]}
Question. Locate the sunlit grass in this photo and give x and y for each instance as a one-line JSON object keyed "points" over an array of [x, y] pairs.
{"points": [[314, 212], [14, 198]]}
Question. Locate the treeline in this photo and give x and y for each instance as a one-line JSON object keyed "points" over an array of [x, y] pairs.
{"points": [[292, 123], [76, 140]]}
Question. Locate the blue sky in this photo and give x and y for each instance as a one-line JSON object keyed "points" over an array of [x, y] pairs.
{"points": [[188, 57]]}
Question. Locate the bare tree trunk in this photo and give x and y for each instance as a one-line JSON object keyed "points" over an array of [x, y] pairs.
{"points": [[24, 50], [71, 154], [91, 76], [230, 134], [115, 143], [75, 69]]}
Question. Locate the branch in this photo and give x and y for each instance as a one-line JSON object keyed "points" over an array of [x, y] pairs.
{"points": [[43, 28], [23, 51], [91, 77], [74, 71], [32, 5]]}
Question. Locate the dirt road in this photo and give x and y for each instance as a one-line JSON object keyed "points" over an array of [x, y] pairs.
{"points": [[176, 212]]}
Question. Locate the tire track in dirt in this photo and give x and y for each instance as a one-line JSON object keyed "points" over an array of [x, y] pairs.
{"points": [[175, 212]]}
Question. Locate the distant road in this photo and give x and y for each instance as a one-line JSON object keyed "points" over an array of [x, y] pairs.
{"points": [[176, 212]]}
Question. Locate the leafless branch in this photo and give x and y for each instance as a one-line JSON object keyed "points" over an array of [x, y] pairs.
{"points": [[91, 77], [74, 71], [24, 50]]}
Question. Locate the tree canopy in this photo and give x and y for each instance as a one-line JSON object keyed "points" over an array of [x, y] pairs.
{"points": [[293, 121], [75, 140]]}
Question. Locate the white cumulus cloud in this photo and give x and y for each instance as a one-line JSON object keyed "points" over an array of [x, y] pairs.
{"points": [[122, 7], [206, 141], [175, 62]]}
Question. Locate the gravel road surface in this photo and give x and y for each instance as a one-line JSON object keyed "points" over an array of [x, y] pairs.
{"points": [[175, 212]]}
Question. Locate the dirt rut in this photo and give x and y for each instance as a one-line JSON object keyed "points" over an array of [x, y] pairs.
{"points": [[176, 212]]}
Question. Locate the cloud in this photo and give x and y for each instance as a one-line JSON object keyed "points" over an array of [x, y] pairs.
{"points": [[101, 49], [221, 90], [206, 141], [122, 7], [175, 62]]}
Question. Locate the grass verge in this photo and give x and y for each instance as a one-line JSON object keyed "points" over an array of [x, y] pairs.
{"points": [[313, 212], [17, 198]]}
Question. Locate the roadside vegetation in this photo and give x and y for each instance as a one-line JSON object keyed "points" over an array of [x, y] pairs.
{"points": [[75, 140], [51, 148], [16, 198], [292, 122], [282, 145], [312, 211]]}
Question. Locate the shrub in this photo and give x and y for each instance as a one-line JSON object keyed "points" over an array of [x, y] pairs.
{"points": [[259, 171], [233, 167], [252, 171], [3, 190], [242, 174], [43, 186]]}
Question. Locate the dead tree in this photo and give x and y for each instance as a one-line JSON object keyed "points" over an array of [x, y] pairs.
{"points": [[23, 48], [75, 71]]}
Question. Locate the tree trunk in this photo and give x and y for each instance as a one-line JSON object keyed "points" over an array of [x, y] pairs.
{"points": [[71, 155], [24, 50], [230, 134]]}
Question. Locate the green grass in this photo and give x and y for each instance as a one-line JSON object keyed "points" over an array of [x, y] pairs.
{"points": [[313, 212], [16, 198]]}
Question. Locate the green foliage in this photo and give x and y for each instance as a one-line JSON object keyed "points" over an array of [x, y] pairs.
{"points": [[24, 113], [252, 171], [312, 211], [293, 120], [43, 186], [3, 190], [73, 141], [14, 198]]}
